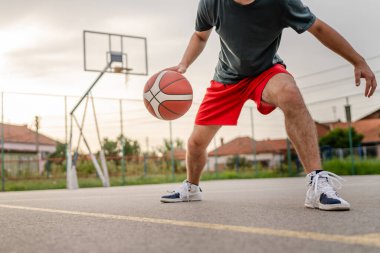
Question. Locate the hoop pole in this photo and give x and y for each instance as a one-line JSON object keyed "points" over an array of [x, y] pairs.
{"points": [[82, 125], [96, 120], [94, 161], [71, 175], [102, 156], [92, 86]]}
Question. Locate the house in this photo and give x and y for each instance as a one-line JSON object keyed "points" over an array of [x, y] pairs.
{"points": [[372, 115], [370, 129], [179, 154], [270, 153], [20, 148]]}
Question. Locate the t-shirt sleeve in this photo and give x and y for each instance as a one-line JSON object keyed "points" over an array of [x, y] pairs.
{"points": [[203, 21], [298, 16]]}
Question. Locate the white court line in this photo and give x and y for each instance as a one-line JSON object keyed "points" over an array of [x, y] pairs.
{"points": [[372, 240], [125, 195]]}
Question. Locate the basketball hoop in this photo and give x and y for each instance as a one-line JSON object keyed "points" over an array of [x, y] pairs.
{"points": [[122, 70], [117, 60]]}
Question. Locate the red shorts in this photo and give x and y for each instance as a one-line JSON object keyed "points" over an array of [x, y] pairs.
{"points": [[223, 103]]}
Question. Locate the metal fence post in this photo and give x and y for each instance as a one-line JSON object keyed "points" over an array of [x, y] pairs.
{"points": [[123, 162], [2, 144], [289, 156], [171, 149], [348, 117]]}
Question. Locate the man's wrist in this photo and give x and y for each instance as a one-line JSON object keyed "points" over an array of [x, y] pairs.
{"points": [[183, 65], [359, 61]]}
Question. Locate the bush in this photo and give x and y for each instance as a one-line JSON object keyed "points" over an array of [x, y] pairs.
{"points": [[343, 167]]}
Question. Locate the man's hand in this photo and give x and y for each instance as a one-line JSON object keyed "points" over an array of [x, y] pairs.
{"points": [[333, 40], [362, 70], [180, 68]]}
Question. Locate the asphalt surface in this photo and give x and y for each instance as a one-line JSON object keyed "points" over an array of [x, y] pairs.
{"points": [[262, 215]]}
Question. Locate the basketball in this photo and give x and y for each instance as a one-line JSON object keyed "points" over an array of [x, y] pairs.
{"points": [[168, 95]]}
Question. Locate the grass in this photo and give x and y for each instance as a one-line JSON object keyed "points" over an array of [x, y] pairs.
{"points": [[361, 167], [60, 183], [340, 167]]}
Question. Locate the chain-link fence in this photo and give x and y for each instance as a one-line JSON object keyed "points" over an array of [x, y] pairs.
{"points": [[129, 118]]}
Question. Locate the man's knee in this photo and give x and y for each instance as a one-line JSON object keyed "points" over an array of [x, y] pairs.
{"points": [[290, 98], [195, 144], [200, 138]]}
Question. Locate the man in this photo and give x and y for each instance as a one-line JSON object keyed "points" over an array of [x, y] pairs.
{"points": [[249, 68]]}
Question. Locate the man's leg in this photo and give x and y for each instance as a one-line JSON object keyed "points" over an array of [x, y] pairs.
{"points": [[283, 92], [196, 154], [196, 159]]}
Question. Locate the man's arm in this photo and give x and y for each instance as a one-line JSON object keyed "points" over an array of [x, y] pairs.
{"points": [[334, 41], [194, 49]]}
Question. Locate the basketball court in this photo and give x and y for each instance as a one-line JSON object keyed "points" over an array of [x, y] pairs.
{"points": [[264, 215]]}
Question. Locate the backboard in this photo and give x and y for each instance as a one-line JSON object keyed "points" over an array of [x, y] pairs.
{"points": [[125, 54]]}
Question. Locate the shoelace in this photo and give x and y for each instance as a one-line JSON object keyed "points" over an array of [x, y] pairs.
{"points": [[330, 182]]}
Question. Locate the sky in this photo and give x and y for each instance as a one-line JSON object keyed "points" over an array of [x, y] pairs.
{"points": [[41, 52]]}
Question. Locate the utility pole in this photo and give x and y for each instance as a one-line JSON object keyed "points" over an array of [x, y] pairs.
{"points": [[37, 125], [347, 107], [65, 99], [146, 156], [215, 157], [147, 144], [334, 113]]}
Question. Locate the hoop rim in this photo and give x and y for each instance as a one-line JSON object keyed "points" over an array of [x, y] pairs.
{"points": [[122, 70]]}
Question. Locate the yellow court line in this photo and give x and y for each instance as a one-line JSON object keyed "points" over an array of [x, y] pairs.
{"points": [[365, 240]]}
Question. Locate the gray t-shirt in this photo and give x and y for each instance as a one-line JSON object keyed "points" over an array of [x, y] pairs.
{"points": [[250, 34]]}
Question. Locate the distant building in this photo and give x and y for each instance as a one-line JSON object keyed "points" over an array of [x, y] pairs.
{"points": [[270, 153], [179, 154], [372, 115], [20, 147], [370, 129]]}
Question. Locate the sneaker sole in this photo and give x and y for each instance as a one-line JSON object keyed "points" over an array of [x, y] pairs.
{"points": [[329, 207], [178, 200]]}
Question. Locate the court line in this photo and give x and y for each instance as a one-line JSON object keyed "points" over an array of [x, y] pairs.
{"points": [[372, 240], [6, 201]]}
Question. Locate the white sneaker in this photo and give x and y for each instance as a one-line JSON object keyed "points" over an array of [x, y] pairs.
{"points": [[321, 192], [185, 193]]}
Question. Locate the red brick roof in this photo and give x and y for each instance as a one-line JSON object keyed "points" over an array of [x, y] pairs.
{"points": [[373, 115], [22, 134], [178, 153], [244, 145], [322, 129], [370, 128]]}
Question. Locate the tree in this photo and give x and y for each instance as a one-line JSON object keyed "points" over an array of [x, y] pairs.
{"points": [[237, 162], [338, 138], [59, 155], [166, 148], [111, 148], [131, 147]]}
